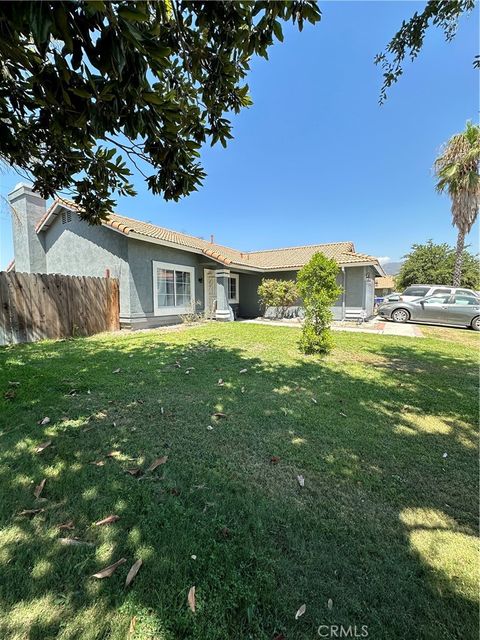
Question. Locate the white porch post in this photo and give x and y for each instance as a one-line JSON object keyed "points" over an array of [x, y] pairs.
{"points": [[223, 312]]}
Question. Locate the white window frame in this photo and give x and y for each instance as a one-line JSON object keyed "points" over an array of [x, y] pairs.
{"points": [[236, 277], [172, 311]]}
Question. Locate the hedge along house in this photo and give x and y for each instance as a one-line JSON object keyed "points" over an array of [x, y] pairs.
{"points": [[164, 274]]}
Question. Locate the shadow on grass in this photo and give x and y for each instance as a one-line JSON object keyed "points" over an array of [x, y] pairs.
{"points": [[384, 527]]}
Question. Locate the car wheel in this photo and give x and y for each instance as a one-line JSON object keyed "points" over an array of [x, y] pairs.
{"points": [[476, 324], [400, 315]]}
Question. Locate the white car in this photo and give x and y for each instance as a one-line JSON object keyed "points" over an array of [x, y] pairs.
{"points": [[416, 291]]}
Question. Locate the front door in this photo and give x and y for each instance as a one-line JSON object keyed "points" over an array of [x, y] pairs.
{"points": [[210, 289]]}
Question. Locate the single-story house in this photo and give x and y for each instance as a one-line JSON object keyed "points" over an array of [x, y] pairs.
{"points": [[384, 285], [164, 274]]}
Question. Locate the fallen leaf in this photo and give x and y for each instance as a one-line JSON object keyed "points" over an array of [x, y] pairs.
{"points": [[445, 455], [107, 572], [41, 447], [133, 621], [225, 532], [242, 390], [219, 414], [113, 454], [116, 371], [301, 481], [243, 370], [343, 414], [274, 460], [68, 526], [30, 512], [13, 383], [209, 428], [279, 636], [10, 394], [39, 488], [193, 557], [74, 542], [133, 572], [134, 471], [330, 603], [300, 611], [191, 599], [314, 401], [157, 462], [44, 421], [98, 463], [107, 520], [220, 383]]}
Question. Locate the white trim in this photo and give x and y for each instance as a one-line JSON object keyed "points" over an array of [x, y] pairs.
{"points": [[236, 277], [174, 310]]}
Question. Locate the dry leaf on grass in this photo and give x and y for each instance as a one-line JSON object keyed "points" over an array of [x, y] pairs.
{"points": [[98, 463], [107, 572], [343, 414], [107, 520], [133, 621], [314, 401], [39, 488], [134, 471], [191, 599], [44, 421], [10, 394], [133, 572], [300, 611], [68, 526], [157, 462], [274, 460], [243, 370], [30, 512], [330, 604], [74, 542], [42, 446], [113, 454], [219, 414], [301, 481], [116, 371]]}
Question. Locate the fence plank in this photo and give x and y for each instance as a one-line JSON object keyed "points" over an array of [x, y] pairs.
{"points": [[38, 306]]}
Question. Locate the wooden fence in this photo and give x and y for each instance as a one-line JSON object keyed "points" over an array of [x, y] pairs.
{"points": [[35, 306]]}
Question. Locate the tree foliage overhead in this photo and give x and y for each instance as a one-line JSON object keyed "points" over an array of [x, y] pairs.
{"points": [[408, 41], [432, 263], [84, 81]]}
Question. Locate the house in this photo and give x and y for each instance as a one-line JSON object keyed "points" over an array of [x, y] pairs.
{"points": [[383, 286], [164, 274]]}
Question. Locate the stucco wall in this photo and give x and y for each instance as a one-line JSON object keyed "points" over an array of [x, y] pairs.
{"points": [[79, 249]]}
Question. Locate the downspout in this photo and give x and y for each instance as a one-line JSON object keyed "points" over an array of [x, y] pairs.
{"points": [[344, 294]]}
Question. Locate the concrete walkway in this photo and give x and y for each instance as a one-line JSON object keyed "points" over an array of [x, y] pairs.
{"points": [[379, 326]]}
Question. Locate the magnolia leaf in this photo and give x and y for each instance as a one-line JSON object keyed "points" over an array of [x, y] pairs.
{"points": [[107, 520], [133, 572], [301, 481], [44, 421], [74, 542], [134, 471], [68, 526], [41, 447], [157, 462], [107, 572], [300, 611], [220, 382], [30, 512], [219, 414], [191, 599], [330, 603], [243, 370], [116, 371], [39, 488]]}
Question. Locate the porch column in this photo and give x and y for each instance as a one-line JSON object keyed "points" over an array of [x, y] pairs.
{"points": [[223, 312]]}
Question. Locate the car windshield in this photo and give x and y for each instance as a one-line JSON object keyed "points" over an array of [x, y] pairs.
{"points": [[417, 292]]}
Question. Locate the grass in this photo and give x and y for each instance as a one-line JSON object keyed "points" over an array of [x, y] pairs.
{"points": [[383, 534]]}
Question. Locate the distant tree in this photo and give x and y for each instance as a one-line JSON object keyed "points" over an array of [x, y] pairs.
{"points": [[457, 174], [318, 288], [279, 294], [431, 263], [152, 79], [408, 41]]}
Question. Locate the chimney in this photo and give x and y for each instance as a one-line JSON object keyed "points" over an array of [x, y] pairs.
{"points": [[27, 209], [212, 239]]}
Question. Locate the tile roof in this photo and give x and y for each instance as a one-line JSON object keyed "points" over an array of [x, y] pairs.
{"points": [[269, 260]]}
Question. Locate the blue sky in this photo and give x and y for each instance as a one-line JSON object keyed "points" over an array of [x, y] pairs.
{"points": [[316, 159]]}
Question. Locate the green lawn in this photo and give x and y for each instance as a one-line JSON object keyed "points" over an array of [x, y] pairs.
{"points": [[383, 533]]}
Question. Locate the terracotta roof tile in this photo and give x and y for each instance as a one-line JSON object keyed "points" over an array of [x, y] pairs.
{"points": [[269, 260]]}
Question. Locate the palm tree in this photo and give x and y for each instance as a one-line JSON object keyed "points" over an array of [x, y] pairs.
{"points": [[456, 169]]}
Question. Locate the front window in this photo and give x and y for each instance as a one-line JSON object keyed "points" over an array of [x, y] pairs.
{"points": [[172, 288], [233, 287]]}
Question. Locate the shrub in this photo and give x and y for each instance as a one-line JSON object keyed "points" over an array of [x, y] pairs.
{"points": [[317, 285], [277, 293]]}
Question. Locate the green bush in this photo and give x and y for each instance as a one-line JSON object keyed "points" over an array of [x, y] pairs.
{"points": [[280, 294], [317, 285]]}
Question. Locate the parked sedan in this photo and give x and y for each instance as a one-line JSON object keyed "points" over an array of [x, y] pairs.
{"points": [[461, 309]]}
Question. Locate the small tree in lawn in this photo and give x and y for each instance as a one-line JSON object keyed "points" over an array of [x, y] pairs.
{"points": [[317, 285], [279, 294]]}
